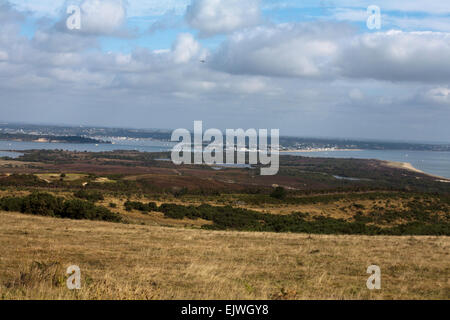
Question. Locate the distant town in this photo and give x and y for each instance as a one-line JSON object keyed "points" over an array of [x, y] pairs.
{"points": [[102, 135]]}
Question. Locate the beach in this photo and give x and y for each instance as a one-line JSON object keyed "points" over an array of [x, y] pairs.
{"points": [[409, 166]]}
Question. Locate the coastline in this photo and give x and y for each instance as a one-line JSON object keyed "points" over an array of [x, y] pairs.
{"points": [[410, 167]]}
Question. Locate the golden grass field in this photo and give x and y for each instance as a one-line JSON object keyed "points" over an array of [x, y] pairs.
{"points": [[129, 261]]}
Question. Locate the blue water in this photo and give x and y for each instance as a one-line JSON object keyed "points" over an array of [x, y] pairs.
{"points": [[433, 162], [138, 145]]}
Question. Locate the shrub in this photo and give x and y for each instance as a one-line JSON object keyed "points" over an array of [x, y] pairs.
{"points": [[227, 217], [42, 204], [45, 204], [136, 205], [90, 195], [79, 209], [278, 193]]}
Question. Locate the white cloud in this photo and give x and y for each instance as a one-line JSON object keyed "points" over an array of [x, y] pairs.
{"points": [[334, 50], [102, 16], [292, 50], [397, 56], [186, 48], [440, 95], [223, 16], [41, 7]]}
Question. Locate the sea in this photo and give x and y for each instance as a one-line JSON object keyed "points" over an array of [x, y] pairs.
{"points": [[432, 162]]}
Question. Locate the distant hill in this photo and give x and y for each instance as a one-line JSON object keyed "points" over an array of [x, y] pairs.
{"points": [[48, 138]]}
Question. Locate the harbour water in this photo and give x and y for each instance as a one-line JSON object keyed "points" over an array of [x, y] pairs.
{"points": [[138, 145]]}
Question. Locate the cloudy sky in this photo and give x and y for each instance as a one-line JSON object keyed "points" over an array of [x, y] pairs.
{"points": [[309, 68]]}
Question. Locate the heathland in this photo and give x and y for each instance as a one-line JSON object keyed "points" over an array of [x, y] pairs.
{"points": [[139, 227]]}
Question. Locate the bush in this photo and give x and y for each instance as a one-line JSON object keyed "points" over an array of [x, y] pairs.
{"points": [[136, 205], [79, 209], [11, 204], [278, 193], [90, 195], [42, 204], [229, 218], [45, 204]]}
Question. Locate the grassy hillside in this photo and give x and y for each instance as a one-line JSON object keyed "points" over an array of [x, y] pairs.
{"points": [[120, 261]]}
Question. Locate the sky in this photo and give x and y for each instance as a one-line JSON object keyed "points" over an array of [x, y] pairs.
{"points": [[309, 68]]}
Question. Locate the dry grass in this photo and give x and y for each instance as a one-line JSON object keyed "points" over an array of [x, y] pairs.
{"points": [[51, 177], [143, 262], [149, 218]]}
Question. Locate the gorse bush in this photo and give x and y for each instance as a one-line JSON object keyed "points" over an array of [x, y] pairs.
{"points": [[79, 209], [90, 195], [42, 204], [279, 193], [229, 218], [45, 204], [143, 207]]}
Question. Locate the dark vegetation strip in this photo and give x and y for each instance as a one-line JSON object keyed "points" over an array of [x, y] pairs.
{"points": [[421, 216], [45, 204], [229, 218]]}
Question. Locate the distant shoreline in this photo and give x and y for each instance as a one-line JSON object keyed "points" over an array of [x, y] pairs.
{"points": [[51, 139], [410, 167]]}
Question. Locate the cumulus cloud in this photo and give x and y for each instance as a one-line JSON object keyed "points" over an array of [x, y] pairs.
{"points": [[212, 17], [97, 17], [398, 56], [186, 48], [335, 50], [102, 16], [291, 50]]}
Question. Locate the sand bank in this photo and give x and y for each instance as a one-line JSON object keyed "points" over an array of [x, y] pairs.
{"points": [[410, 167]]}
